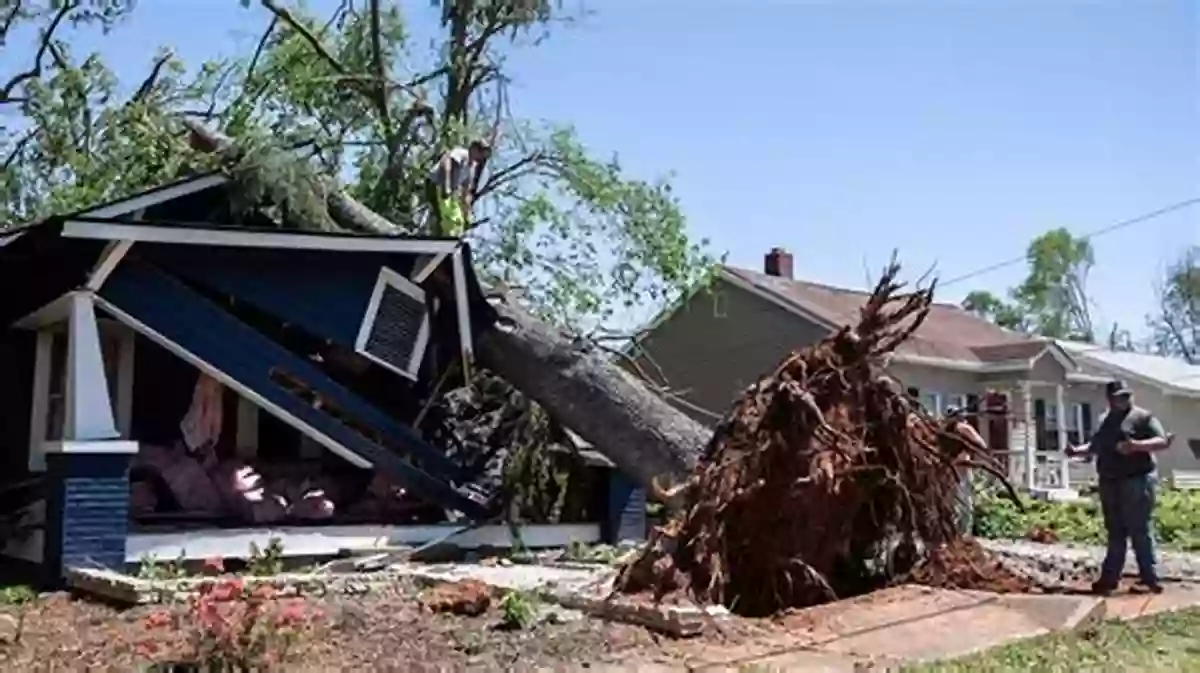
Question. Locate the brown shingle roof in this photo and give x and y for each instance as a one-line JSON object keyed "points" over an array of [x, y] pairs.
{"points": [[948, 332]]}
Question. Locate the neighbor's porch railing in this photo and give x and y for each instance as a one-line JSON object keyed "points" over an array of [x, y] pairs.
{"points": [[1048, 472]]}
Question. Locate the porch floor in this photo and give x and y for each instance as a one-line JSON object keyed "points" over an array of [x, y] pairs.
{"points": [[319, 541]]}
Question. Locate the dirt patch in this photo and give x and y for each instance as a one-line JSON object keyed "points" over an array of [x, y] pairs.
{"points": [[964, 564], [823, 482]]}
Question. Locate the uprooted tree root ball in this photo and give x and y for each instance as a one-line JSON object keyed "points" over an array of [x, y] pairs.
{"points": [[824, 481]]}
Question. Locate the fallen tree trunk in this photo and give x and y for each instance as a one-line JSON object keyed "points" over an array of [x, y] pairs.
{"points": [[584, 391], [640, 432]]}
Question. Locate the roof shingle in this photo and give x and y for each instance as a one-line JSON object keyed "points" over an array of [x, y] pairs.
{"points": [[948, 332]]}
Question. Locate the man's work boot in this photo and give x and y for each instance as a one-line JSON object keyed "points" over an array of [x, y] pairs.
{"points": [[1143, 587], [1103, 588]]}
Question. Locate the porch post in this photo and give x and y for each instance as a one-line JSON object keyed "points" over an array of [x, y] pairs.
{"points": [[87, 503], [1064, 465], [1026, 431]]}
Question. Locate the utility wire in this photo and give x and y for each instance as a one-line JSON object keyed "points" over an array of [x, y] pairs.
{"points": [[1087, 237], [1145, 217]]}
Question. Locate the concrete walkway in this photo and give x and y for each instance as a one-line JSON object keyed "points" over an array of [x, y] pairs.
{"points": [[915, 624], [879, 631]]}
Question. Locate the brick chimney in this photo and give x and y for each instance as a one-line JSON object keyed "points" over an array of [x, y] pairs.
{"points": [[778, 262]]}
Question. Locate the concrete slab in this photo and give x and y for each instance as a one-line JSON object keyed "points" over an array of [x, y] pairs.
{"points": [[515, 577], [942, 636], [916, 624], [1058, 612], [1134, 606], [808, 661], [882, 609]]}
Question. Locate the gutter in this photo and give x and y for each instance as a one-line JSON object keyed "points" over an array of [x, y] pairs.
{"points": [[1005, 367]]}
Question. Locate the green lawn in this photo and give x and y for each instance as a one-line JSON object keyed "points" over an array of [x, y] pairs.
{"points": [[1168, 642]]}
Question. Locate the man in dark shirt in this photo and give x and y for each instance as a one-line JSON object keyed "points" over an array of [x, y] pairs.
{"points": [[1124, 445]]}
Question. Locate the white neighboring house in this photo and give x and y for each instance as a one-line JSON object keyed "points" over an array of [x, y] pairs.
{"points": [[1169, 388]]}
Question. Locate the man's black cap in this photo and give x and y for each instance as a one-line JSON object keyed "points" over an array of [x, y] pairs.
{"points": [[1117, 388]]}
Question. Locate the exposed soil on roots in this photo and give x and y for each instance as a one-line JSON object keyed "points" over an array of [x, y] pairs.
{"points": [[824, 481], [964, 564]]}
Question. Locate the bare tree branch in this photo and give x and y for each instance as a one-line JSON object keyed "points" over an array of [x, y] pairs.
{"points": [[252, 66], [44, 46], [147, 84], [9, 21], [499, 178], [285, 15], [380, 90]]}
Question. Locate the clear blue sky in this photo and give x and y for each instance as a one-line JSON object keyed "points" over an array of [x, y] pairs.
{"points": [[954, 130]]}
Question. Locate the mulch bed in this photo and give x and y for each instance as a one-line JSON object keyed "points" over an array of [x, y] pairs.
{"points": [[386, 630]]}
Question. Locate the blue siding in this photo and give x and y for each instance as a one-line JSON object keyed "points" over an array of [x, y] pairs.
{"points": [[626, 518], [87, 516], [324, 293], [180, 314]]}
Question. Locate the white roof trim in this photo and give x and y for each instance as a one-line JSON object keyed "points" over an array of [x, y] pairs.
{"points": [[1078, 377], [1002, 367], [1057, 353], [184, 235], [231, 383], [155, 197], [963, 365]]}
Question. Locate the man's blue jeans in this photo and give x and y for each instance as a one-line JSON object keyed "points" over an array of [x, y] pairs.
{"points": [[1127, 505]]}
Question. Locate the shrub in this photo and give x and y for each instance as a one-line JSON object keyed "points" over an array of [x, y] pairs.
{"points": [[1176, 519], [227, 629]]}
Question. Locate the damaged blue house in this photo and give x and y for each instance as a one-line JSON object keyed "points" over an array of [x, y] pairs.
{"points": [[305, 361]]}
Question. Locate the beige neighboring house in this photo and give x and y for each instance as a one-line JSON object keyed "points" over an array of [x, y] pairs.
{"points": [[1168, 387], [1032, 395]]}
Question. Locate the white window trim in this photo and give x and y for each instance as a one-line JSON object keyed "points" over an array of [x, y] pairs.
{"points": [[40, 403], [937, 402], [389, 278]]}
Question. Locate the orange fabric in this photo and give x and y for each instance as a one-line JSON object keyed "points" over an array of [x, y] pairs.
{"points": [[201, 426]]}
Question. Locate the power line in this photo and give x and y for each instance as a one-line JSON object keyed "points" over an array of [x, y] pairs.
{"points": [[1087, 237]]}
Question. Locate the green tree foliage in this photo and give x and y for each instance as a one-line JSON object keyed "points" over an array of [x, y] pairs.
{"points": [[1176, 327], [1052, 301], [583, 240], [69, 134]]}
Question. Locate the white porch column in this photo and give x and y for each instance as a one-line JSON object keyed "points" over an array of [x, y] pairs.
{"points": [[1061, 416], [87, 473], [89, 408], [1027, 430]]}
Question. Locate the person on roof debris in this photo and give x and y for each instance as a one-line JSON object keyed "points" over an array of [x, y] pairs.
{"points": [[448, 187], [1124, 445]]}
